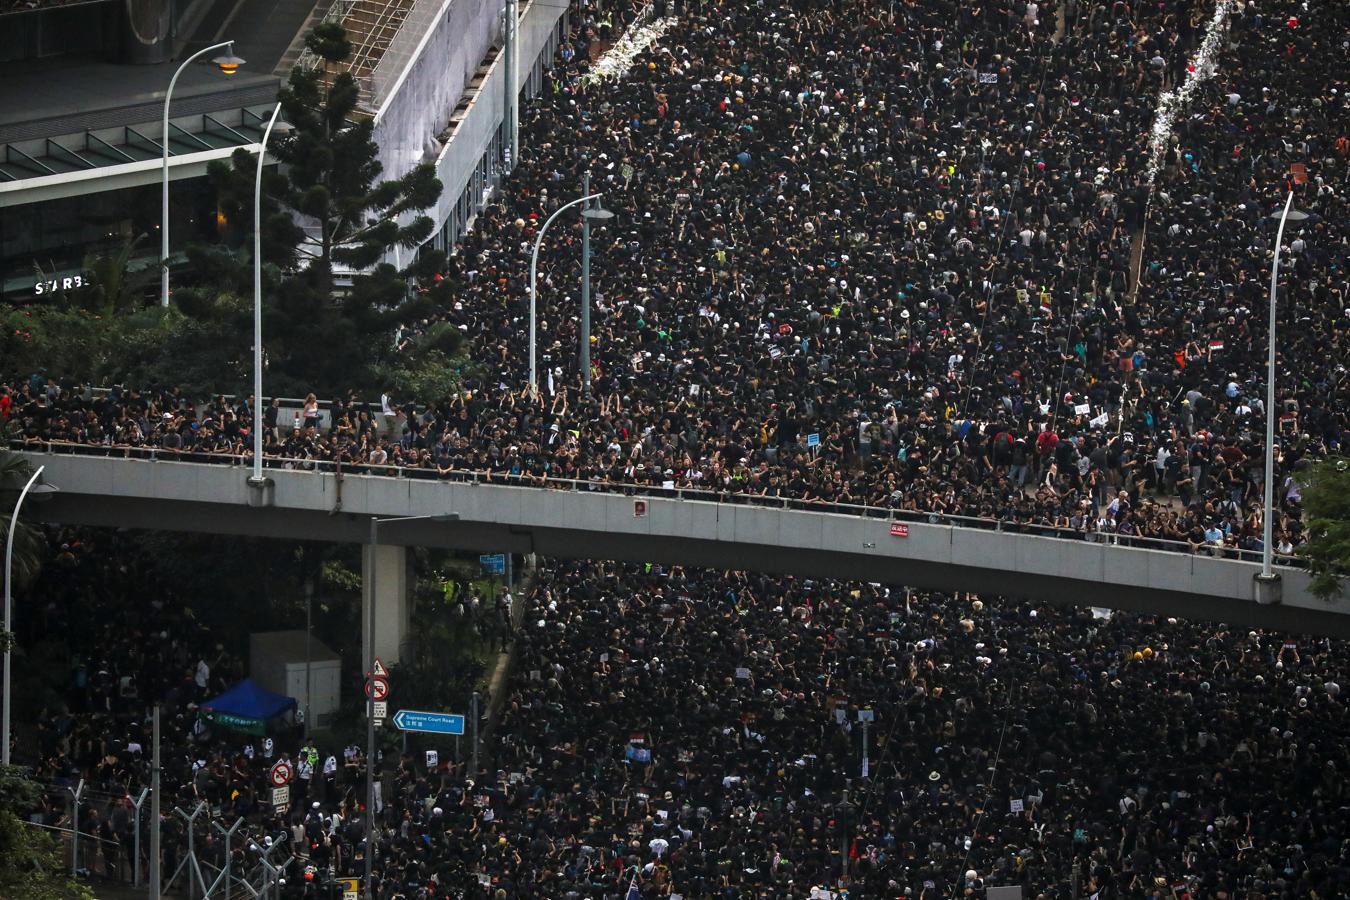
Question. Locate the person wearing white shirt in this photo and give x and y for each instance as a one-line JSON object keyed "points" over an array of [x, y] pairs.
{"points": [[330, 767], [202, 678], [305, 770]]}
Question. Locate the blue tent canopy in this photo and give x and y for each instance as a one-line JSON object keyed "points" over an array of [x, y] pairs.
{"points": [[246, 707]]}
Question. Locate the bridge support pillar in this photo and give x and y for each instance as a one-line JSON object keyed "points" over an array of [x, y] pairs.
{"points": [[393, 589]]}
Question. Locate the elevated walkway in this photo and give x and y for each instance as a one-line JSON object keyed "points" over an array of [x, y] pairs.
{"points": [[573, 519]]}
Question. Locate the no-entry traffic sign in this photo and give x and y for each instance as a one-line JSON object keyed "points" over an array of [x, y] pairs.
{"points": [[377, 687], [281, 773]]}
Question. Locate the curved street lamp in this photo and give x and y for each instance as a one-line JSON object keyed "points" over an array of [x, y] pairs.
{"points": [[1267, 592], [590, 216], [39, 491], [534, 271], [280, 128], [228, 64]]}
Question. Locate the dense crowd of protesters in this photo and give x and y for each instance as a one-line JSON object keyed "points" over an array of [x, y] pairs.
{"points": [[704, 727], [698, 732], [881, 253], [99, 653]]}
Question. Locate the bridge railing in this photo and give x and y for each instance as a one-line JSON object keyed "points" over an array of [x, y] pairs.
{"points": [[648, 491]]}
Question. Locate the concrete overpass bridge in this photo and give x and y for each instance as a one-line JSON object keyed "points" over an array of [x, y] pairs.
{"points": [[315, 501]]}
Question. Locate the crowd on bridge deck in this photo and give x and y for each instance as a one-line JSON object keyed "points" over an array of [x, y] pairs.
{"points": [[881, 254], [698, 732]]}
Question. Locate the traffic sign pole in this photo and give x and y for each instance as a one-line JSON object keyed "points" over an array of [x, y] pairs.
{"points": [[368, 820], [473, 711]]}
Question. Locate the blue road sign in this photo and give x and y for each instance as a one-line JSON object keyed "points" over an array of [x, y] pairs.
{"points": [[493, 564], [429, 722], [813, 439]]}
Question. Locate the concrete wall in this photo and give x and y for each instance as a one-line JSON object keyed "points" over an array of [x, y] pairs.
{"points": [[415, 106], [460, 156], [580, 524]]}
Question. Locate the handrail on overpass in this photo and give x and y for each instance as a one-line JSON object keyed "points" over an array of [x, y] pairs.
{"points": [[640, 491]]}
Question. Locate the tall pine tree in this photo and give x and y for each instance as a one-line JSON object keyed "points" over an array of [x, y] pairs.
{"points": [[331, 212], [1326, 510]]}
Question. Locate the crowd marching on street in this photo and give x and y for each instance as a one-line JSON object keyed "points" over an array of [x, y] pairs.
{"points": [[699, 733]]}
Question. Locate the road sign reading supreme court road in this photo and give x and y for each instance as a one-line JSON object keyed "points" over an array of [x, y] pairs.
{"points": [[429, 722]]}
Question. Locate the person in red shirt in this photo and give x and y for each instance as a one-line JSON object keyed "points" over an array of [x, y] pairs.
{"points": [[1046, 442]]}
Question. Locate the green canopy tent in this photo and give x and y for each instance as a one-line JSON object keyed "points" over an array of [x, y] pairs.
{"points": [[245, 707]]}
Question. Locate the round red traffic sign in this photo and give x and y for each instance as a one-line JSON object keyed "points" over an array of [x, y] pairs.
{"points": [[377, 688], [281, 773]]}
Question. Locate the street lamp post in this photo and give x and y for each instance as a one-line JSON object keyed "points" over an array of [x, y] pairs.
{"points": [[375, 523], [309, 634], [9, 598], [282, 129], [589, 216], [1267, 592], [534, 294], [228, 64], [584, 331]]}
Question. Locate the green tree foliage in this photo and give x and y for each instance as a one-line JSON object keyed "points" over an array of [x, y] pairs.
{"points": [[31, 863], [201, 352], [335, 316], [1326, 505], [329, 42], [321, 334], [53, 338], [334, 172], [107, 332], [115, 286], [430, 365]]}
